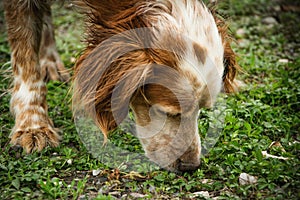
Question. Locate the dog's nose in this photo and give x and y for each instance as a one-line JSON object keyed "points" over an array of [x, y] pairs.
{"points": [[190, 160], [187, 166]]}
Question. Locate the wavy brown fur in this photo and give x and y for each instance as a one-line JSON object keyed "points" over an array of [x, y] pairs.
{"points": [[106, 19], [230, 59], [102, 25]]}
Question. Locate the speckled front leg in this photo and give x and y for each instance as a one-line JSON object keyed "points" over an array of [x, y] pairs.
{"points": [[33, 128]]}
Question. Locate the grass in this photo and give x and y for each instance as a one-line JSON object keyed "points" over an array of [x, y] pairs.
{"points": [[267, 110]]}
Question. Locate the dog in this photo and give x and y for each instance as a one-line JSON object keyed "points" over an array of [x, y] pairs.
{"points": [[163, 59]]}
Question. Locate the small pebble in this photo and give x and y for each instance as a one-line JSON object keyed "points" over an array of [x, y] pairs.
{"points": [[277, 8], [240, 33], [243, 43], [245, 179], [82, 197], [269, 20], [73, 60], [152, 189], [96, 172], [70, 161], [283, 60]]}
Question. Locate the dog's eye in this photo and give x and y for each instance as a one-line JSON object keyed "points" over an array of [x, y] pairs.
{"points": [[158, 111], [161, 111], [175, 115]]}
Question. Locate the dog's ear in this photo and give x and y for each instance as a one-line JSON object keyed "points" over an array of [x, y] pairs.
{"points": [[231, 66], [104, 85], [113, 96], [114, 62], [231, 69]]}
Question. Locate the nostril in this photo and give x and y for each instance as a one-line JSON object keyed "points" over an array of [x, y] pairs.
{"points": [[183, 166]]}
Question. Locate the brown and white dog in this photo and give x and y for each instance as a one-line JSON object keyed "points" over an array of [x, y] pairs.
{"points": [[165, 59]]}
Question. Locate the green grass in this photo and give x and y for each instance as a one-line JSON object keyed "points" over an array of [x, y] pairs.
{"points": [[267, 110]]}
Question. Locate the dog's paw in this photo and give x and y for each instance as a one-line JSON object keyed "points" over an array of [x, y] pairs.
{"points": [[35, 139], [53, 68]]}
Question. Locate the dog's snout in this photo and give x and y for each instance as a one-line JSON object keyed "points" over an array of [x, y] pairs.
{"points": [[190, 160]]}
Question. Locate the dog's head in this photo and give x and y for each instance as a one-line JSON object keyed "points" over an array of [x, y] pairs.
{"points": [[164, 60]]}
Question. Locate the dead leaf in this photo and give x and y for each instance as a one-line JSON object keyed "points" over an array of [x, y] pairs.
{"points": [[265, 153], [277, 144], [134, 176], [138, 195], [200, 194]]}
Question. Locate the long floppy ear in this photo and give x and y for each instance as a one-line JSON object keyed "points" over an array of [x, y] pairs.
{"points": [[114, 60], [104, 88], [231, 67]]}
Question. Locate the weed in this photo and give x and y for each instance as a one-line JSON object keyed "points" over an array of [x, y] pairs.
{"points": [[265, 111]]}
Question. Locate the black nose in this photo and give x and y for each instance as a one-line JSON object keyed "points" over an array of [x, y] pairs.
{"points": [[184, 166]]}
